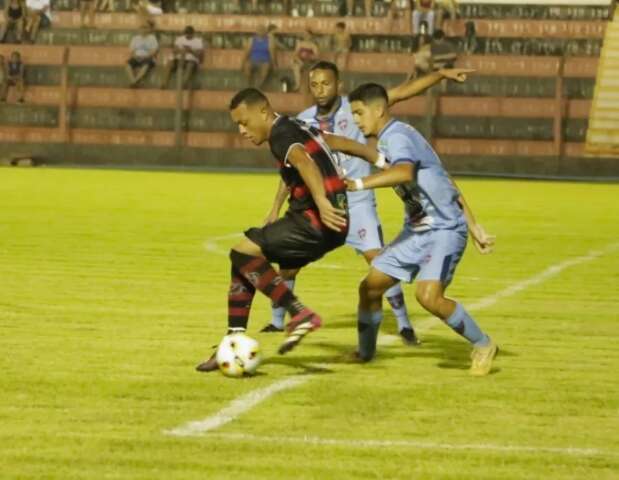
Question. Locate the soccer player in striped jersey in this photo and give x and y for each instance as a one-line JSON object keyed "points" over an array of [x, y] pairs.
{"points": [[436, 223], [331, 113], [316, 221]]}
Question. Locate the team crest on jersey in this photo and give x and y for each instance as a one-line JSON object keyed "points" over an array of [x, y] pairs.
{"points": [[343, 124], [362, 233]]}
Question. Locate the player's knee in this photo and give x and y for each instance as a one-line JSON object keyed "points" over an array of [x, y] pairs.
{"points": [[428, 298]]}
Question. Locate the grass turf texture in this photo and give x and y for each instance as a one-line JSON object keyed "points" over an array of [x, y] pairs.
{"points": [[108, 299]]}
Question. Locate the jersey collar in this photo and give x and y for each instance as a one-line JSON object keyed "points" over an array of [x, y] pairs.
{"points": [[385, 128]]}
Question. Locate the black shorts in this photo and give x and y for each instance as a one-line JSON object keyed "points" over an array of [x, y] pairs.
{"points": [[140, 62], [293, 241]]}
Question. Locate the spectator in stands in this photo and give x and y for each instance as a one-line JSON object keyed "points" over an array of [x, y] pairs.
{"points": [[470, 37], [445, 9], [87, 11], [144, 48], [423, 57], [443, 52], [188, 53], [341, 43], [305, 54], [423, 13], [259, 58], [12, 75], [39, 16], [14, 19]]}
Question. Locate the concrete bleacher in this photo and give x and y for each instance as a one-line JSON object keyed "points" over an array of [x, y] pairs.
{"points": [[515, 115]]}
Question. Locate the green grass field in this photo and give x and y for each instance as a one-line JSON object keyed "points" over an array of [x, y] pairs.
{"points": [[113, 286]]}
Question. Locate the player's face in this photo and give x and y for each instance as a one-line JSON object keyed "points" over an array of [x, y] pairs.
{"points": [[323, 87], [252, 122], [366, 117]]}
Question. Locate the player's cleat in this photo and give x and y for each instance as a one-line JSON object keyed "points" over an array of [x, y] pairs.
{"points": [[300, 325], [209, 365], [409, 337], [482, 359], [271, 328]]}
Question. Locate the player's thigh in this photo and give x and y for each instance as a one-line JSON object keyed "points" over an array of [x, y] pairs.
{"points": [[444, 253], [402, 258], [364, 232], [290, 241], [248, 247]]}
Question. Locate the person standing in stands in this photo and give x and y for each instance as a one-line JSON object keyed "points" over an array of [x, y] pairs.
{"points": [[423, 13], [39, 16], [259, 58], [12, 75], [341, 41], [14, 19], [305, 54], [188, 53], [144, 48]]}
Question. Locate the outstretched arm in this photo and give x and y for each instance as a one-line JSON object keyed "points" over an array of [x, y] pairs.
{"points": [[355, 149], [330, 216], [411, 88], [395, 175]]}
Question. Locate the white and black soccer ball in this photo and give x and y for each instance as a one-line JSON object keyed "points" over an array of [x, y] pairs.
{"points": [[238, 355]]}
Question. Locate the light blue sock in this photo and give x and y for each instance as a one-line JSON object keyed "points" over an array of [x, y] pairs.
{"points": [[395, 297], [462, 323], [279, 313], [368, 324]]}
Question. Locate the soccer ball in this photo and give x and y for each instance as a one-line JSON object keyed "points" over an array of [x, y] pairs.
{"points": [[238, 355]]}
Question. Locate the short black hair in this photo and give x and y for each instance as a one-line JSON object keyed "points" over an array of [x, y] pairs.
{"points": [[368, 92], [248, 96], [324, 65], [340, 25]]}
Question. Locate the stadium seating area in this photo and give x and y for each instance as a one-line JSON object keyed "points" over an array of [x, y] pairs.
{"points": [[526, 110]]}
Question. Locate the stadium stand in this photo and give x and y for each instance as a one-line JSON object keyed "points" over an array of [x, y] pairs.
{"points": [[525, 111]]}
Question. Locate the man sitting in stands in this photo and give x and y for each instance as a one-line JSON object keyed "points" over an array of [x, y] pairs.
{"points": [[144, 48], [12, 74], [39, 16], [14, 19], [188, 53]]}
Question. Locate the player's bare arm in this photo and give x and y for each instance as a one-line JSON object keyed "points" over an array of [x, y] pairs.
{"points": [[484, 243], [280, 197], [330, 216], [350, 147], [396, 175], [411, 88]]}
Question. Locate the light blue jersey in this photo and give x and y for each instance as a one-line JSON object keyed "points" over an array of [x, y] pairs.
{"points": [[341, 123], [432, 191]]}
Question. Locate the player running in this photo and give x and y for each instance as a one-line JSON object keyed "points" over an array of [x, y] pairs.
{"points": [[316, 221], [331, 113], [434, 236]]}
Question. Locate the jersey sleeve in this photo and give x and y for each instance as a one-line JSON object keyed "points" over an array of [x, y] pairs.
{"points": [[283, 138], [402, 149]]}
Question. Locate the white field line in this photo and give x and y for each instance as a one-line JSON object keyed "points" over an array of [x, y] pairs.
{"points": [[236, 407], [246, 402], [373, 443], [427, 323]]}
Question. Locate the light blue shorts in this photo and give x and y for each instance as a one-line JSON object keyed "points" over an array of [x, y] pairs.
{"points": [[364, 232], [431, 255]]}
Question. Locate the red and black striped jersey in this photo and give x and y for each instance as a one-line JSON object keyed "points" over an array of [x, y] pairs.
{"points": [[285, 134]]}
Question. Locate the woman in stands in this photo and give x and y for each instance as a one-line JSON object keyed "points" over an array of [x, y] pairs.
{"points": [[305, 55], [12, 75], [260, 57], [15, 17]]}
